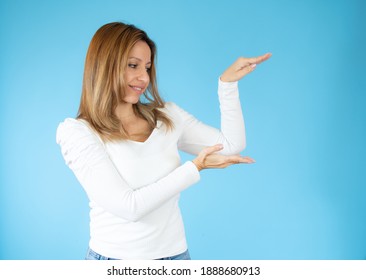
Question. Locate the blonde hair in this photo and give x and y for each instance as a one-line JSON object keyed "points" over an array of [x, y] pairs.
{"points": [[103, 83]]}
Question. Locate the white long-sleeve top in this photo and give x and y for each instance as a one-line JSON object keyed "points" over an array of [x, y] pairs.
{"points": [[134, 187]]}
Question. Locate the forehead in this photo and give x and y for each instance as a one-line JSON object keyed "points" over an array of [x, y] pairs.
{"points": [[141, 50]]}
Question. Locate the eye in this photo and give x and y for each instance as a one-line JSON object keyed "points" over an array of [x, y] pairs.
{"points": [[148, 69], [131, 65]]}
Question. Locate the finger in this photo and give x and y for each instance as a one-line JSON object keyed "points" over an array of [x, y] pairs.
{"points": [[259, 59], [246, 70], [240, 159], [247, 160]]}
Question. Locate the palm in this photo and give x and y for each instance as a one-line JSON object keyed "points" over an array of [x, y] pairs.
{"points": [[209, 158], [222, 161]]}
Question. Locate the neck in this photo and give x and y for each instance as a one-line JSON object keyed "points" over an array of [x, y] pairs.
{"points": [[125, 111]]}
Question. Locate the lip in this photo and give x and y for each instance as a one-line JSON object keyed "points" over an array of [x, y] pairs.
{"points": [[137, 89]]}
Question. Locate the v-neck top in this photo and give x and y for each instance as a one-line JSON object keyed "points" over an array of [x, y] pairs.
{"points": [[134, 187]]}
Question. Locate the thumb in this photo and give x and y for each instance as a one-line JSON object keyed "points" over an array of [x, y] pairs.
{"points": [[247, 69], [212, 149]]}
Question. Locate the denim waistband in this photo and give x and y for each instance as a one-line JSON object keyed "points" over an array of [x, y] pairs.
{"points": [[92, 255]]}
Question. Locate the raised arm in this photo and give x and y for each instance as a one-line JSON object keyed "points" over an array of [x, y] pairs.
{"points": [[209, 156], [196, 135]]}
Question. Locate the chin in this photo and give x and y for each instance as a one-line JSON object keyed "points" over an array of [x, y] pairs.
{"points": [[131, 100]]}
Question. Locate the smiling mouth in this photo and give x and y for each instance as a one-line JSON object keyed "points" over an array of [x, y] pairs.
{"points": [[137, 89]]}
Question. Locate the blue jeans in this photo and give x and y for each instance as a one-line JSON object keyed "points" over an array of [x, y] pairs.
{"points": [[91, 255]]}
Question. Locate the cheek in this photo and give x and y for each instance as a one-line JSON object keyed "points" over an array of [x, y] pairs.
{"points": [[127, 76]]}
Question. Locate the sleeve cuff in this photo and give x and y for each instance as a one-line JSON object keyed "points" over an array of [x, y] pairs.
{"points": [[227, 85], [226, 89], [193, 171]]}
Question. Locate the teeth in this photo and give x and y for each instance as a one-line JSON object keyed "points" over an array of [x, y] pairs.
{"points": [[137, 88]]}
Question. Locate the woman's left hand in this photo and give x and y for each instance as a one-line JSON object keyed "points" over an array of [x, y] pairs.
{"points": [[208, 158], [241, 67]]}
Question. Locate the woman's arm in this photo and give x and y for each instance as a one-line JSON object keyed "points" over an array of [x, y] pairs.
{"points": [[196, 135], [86, 156]]}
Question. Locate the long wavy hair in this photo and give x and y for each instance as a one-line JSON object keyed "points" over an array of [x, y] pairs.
{"points": [[103, 82]]}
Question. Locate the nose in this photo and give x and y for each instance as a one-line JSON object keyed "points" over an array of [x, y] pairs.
{"points": [[144, 76]]}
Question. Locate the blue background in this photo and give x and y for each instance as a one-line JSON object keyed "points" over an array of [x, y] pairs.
{"points": [[304, 198]]}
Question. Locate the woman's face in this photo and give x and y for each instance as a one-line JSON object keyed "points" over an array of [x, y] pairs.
{"points": [[136, 75]]}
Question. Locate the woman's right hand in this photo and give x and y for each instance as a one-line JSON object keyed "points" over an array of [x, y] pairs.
{"points": [[208, 158]]}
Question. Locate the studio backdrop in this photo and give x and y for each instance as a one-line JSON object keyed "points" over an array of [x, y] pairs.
{"points": [[304, 198]]}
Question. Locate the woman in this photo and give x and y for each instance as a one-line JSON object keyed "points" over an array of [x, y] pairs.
{"points": [[124, 151]]}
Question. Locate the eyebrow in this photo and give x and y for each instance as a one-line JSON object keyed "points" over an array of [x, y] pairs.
{"points": [[133, 57]]}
